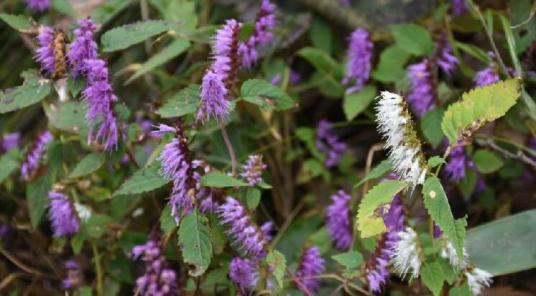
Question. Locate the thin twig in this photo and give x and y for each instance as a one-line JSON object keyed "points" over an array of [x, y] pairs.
{"points": [[519, 155], [13, 276], [19, 264], [287, 223], [298, 282], [230, 148], [98, 268]]}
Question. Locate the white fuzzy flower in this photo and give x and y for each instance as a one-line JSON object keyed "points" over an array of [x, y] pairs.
{"points": [[84, 213], [394, 122], [478, 279], [407, 254], [449, 252]]}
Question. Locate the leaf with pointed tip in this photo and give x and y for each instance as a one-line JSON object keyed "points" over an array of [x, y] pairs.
{"points": [[194, 239]]}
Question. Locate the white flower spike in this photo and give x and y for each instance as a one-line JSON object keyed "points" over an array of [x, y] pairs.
{"points": [[407, 254], [478, 279]]}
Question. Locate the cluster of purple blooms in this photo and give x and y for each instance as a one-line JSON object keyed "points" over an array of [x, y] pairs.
{"points": [[329, 144], [376, 268], [243, 272], [82, 48], [74, 275], [311, 265], [159, 279], [9, 141], [338, 220], [489, 74], [38, 5], [62, 214], [458, 7], [44, 54], [262, 35], [457, 164], [358, 66], [252, 169], [35, 153], [446, 60], [422, 94]]}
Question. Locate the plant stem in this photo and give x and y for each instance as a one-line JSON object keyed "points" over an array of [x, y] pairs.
{"points": [[98, 268], [230, 148]]}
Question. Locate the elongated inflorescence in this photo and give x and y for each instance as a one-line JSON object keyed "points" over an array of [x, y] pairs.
{"points": [[33, 156], [265, 22], [338, 220], [422, 94], [74, 275], [457, 164], [243, 272], [446, 60], [62, 215], [38, 5], [458, 7], [44, 54], [358, 65], [252, 169], [83, 47], [311, 264], [396, 126], [488, 75], [478, 279], [9, 141], [407, 255], [329, 143]]}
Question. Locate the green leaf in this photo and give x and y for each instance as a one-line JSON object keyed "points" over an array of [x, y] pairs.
{"points": [[378, 171], [167, 222], [177, 47], [504, 246], [194, 239], [96, 225], [268, 96], [253, 197], [350, 260], [431, 126], [68, 116], [221, 180], [413, 39], [176, 11], [435, 161], [127, 35], [37, 196], [308, 136], [278, 264], [184, 102], [145, 179], [356, 103], [109, 9], [63, 6], [30, 92], [322, 61], [487, 161], [369, 221], [462, 290], [10, 162], [320, 35], [435, 201], [17, 22], [89, 164], [480, 106], [391, 65], [432, 276], [77, 242]]}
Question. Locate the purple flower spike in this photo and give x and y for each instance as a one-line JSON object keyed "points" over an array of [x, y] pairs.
{"points": [[83, 47], [62, 215], [445, 58], [455, 167], [267, 230], [100, 98], [252, 169], [214, 89], [158, 279], [74, 275], [458, 7], [243, 273], [329, 144], [246, 234], [35, 153], [311, 264], [358, 65], [45, 51], [376, 268], [264, 24], [338, 220], [38, 5], [421, 97], [9, 141], [488, 75]]}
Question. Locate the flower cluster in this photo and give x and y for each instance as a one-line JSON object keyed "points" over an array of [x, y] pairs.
{"points": [[457, 164], [329, 144], [359, 61], [338, 220], [252, 169], [45, 52], [489, 74], [477, 279], [422, 94], [262, 35], [396, 125], [311, 264], [376, 268], [9, 141], [35, 153], [62, 215], [83, 47], [158, 279], [74, 275], [407, 254], [446, 60], [458, 7], [243, 272], [214, 88], [247, 235], [38, 5]]}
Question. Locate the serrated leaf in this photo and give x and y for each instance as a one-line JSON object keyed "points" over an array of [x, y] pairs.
{"points": [[177, 47], [30, 92], [184, 102], [435, 201], [17, 22], [10, 162], [127, 35], [194, 239], [378, 171], [369, 221], [480, 106], [505, 245], [37, 197], [487, 161], [266, 95], [391, 65], [350, 260], [432, 276], [431, 126], [89, 164], [356, 103], [68, 116], [221, 180], [278, 264], [413, 39], [435, 161], [108, 10], [322, 61], [145, 179]]}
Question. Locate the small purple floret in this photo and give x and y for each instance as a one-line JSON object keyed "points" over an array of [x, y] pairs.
{"points": [[359, 61], [338, 220], [62, 215]]}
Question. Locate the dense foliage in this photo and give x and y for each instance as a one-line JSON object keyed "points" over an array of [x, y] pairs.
{"points": [[312, 147]]}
